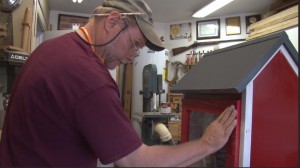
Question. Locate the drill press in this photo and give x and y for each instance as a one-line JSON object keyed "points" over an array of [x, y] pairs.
{"points": [[11, 57]]}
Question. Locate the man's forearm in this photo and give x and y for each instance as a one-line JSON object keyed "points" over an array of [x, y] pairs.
{"points": [[214, 138]]}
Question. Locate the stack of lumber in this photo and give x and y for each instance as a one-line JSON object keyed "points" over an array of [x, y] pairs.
{"points": [[278, 22]]}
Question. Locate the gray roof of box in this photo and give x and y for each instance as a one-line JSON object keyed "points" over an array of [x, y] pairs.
{"points": [[230, 69]]}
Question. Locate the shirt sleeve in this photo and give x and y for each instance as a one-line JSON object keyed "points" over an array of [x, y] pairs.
{"points": [[103, 123]]}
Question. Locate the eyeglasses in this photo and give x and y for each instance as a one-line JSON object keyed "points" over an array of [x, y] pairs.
{"points": [[135, 47]]}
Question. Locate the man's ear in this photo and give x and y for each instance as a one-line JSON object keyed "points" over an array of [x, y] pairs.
{"points": [[112, 19]]}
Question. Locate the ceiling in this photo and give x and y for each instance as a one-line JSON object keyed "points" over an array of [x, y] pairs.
{"points": [[165, 11]]}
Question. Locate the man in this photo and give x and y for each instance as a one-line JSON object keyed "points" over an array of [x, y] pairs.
{"points": [[65, 109]]}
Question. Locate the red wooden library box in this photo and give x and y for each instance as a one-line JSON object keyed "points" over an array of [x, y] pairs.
{"points": [[260, 78]]}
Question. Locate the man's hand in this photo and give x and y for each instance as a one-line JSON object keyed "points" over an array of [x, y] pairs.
{"points": [[217, 133]]}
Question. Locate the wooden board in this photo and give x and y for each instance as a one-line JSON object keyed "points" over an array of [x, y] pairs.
{"points": [[277, 18], [274, 28], [128, 89], [275, 23]]}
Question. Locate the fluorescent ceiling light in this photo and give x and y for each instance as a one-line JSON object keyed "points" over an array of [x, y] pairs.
{"points": [[210, 8], [79, 1]]}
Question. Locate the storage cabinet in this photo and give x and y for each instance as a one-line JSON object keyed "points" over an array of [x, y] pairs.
{"points": [[175, 130], [176, 107]]}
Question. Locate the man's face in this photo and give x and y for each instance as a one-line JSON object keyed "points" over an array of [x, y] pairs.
{"points": [[125, 48]]}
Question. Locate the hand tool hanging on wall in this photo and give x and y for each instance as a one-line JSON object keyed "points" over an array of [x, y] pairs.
{"points": [[176, 76]]}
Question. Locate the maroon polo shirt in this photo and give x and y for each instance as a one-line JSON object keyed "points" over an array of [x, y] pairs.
{"points": [[65, 110]]}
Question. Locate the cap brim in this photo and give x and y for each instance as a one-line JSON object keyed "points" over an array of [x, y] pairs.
{"points": [[153, 41]]}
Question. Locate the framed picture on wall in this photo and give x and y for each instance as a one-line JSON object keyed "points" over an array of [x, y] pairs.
{"points": [[66, 22], [181, 31], [250, 20], [208, 29], [233, 25]]}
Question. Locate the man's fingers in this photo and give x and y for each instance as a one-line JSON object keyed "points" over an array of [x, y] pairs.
{"points": [[230, 128], [231, 118], [219, 119], [225, 115]]}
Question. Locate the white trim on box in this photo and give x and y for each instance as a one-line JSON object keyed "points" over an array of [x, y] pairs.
{"points": [[246, 126], [289, 59]]}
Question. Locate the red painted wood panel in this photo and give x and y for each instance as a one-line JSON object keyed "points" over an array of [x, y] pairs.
{"points": [[275, 116], [216, 107]]}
